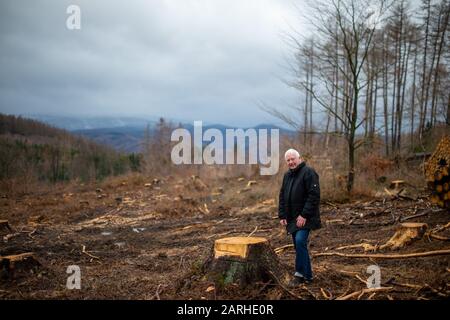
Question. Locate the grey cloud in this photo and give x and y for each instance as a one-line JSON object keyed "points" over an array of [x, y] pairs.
{"points": [[193, 59]]}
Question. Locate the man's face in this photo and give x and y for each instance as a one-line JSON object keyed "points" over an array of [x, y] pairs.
{"points": [[292, 161]]}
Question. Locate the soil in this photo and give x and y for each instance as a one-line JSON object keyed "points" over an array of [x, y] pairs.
{"points": [[150, 241]]}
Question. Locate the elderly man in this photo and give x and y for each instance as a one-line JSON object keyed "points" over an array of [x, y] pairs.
{"points": [[299, 211]]}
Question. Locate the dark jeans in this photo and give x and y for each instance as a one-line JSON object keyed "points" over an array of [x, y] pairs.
{"points": [[302, 261]]}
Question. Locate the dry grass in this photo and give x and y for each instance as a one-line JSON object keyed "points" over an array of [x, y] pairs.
{"points": [[373, 173]]}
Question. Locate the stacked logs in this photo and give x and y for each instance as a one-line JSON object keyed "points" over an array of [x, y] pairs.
{"points": [[437, 170]]}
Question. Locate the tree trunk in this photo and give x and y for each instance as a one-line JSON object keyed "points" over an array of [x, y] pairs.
{"points": [[433, 58], [12, 265], [244, 261], [413, 98], [311, 90], [424, 65], [402, 104], [306, 107], [385, 96], [436, 71]]}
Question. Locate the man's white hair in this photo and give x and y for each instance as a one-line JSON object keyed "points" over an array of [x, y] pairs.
{"points": [[292, 151]]}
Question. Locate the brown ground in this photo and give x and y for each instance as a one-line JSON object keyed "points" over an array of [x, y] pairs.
{"points": [[151, 243]]}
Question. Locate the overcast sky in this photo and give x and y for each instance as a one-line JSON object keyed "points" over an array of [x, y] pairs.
{"points": [[209, 60]]}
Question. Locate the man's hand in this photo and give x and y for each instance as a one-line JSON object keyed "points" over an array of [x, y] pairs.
{"points": [[300, 221], [283, 222]]}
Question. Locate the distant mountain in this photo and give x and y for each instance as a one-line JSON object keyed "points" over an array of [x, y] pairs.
{"points": [[30, 149], [125, 134], [125, 139], [129, 139], [92, 122]]}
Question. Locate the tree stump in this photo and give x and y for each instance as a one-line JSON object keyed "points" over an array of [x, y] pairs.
{"points": [[244, 260], [406, 234], [396, 184], [11, 264], [4, 227]]}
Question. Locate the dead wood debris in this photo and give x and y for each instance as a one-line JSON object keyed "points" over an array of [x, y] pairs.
{"points": [[386, 256], [360, 293], [83, 250]]}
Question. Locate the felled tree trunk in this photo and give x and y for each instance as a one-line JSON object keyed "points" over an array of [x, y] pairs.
{"points": [[406, 233], [244, 260]]}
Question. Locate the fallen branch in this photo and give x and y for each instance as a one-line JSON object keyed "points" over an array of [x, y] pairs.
{"points": [[181, 261], [31, 233], [10, 236], [346, 290], [427, 286], [390, 193], [361, 279], [432, 233], [334, 221], [331, 204], [372, 224], [425, 213], [283, 287], [280, 249], [360, 293], [371, 296], [258, 293], [87, 253], [365, 246], [441, 228], [304, 287], [326, 295], [221, 234], [157, 292], [289, 291], [437, 237], [377, 213], [386, 256], [254, 230], [406, 285], [348, 272], [403, 196], [28, 232], [398, 194]]}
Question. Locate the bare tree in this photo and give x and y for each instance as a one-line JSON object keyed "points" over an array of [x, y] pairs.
{"points": [[356, 23], [334, 72], [442, 10], [366, 64], [423, 111]]}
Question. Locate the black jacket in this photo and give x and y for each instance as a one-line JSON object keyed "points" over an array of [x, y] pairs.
{"points": [[300, 195]]}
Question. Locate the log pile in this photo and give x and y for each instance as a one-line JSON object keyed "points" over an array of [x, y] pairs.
{"points": [[437, 173]]}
